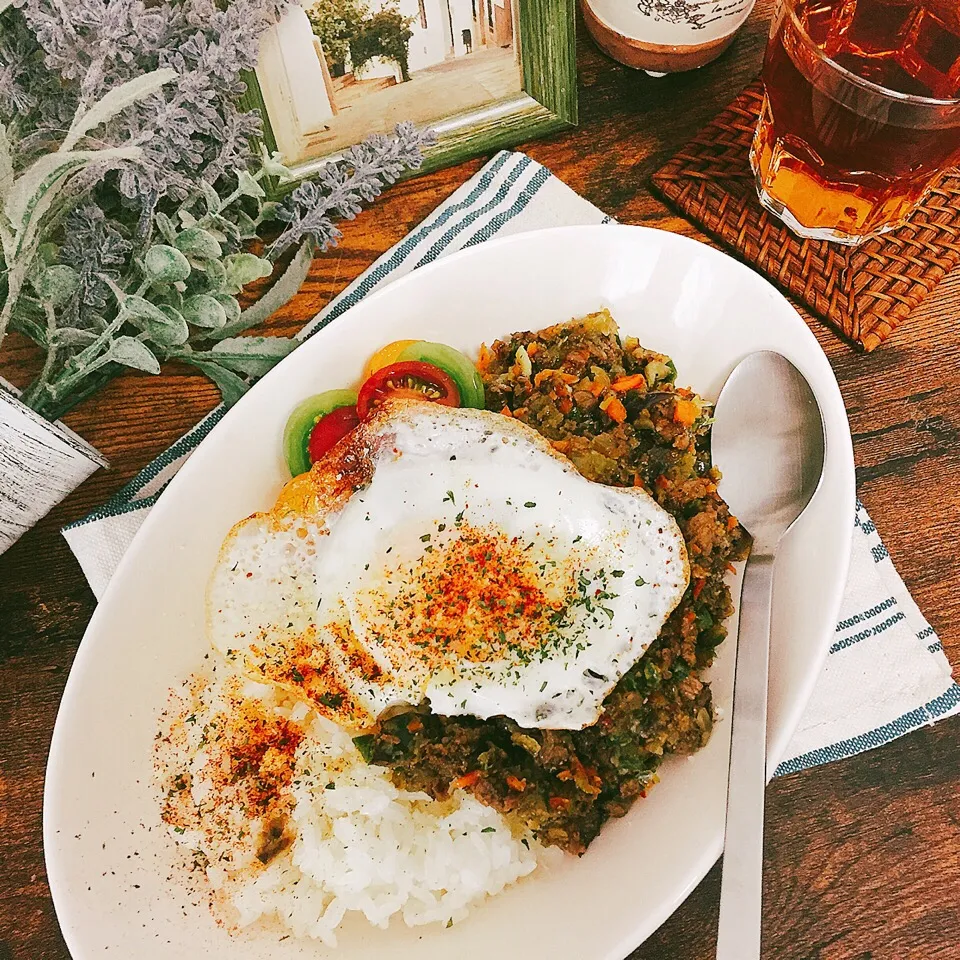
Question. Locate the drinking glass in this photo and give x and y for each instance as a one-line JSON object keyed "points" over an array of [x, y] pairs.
{"points": [[861, 111]]}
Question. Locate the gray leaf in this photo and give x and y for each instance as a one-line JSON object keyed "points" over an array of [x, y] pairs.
{"points": [[57, 283], [244, 268], [116, 100], [167, 228], [6, 159], [209, 277], [248, 186], [281, 293], [75, 337], [32, 193], [203, 310], [211, 196], [132, 353], [199, 244], [231, 387], [165, 264], [230, 305], [165, 326], [252, 356], [274, 168]]}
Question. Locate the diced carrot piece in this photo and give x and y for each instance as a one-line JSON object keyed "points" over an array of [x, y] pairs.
{"points": [[565, 775], [622, 384], [541, 376], [731, 568], [592, 784], [562, 445], [467, 780], [732, 522], [517, 783], [586, 778], [565, 405], [596, 388], [698, 586], [614, 409], [569, 377], [685, 412], [559, 803], [415, 725], [532, 348], [506, 411], [662, 482], [485, 358]]}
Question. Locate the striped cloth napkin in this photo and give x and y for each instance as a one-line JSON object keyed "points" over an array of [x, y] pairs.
{"points": [[886, 673]]}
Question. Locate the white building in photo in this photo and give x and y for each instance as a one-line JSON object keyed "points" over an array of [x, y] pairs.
{"points": [[293, 77], [301, 97], [445, 29]]}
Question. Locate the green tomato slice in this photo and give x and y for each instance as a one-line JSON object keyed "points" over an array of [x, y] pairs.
{"points": [[453, 363], [300, 424]]}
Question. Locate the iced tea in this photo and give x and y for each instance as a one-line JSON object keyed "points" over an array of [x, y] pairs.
{"points": [[862, 109]]}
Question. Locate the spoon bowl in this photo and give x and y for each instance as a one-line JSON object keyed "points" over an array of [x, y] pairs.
{"points": [[768, 439]]}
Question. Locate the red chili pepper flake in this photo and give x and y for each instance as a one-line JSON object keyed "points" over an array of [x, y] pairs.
{"points": [[479, 596], [250, 757]]}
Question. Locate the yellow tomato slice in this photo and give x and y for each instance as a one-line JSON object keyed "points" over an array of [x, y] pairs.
{"points": [[385, 356]]}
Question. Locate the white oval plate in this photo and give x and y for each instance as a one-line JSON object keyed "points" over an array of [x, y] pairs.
{"points": [[108, 857]]}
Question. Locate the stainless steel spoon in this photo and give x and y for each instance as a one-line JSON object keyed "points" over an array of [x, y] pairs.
{"points": [[768, 443]]}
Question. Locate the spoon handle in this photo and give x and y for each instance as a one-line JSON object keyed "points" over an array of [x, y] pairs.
{"points": [[738, 937]]}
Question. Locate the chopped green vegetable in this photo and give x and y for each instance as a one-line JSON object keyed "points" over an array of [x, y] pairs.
{"points": [[365, 745]]}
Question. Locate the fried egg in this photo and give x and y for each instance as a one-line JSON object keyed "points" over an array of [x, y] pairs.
{"points": [[450, 555]]}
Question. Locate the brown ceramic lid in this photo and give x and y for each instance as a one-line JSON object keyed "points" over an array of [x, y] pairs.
{"points": [[664, 36]]}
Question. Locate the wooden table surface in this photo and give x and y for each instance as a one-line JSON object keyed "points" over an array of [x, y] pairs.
{"points": [[863, 855]]}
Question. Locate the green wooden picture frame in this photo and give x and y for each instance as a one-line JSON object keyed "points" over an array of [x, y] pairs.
{"points": [[546, 36]]}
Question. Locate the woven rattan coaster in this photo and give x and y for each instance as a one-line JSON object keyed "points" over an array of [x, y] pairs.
{"points": [[866, 292]]}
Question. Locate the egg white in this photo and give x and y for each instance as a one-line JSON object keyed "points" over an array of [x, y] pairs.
{"points": [[337, 580]]}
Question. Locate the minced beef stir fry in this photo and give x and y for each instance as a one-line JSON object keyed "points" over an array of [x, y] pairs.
{"points": [[613, 408]]}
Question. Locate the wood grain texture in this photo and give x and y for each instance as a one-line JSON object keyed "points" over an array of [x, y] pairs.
{"points": [[863, 856]]}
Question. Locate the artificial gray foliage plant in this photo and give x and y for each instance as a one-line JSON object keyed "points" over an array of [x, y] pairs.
{"points": [[131, 192]]}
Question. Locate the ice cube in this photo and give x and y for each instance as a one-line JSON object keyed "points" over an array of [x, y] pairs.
{"points": [[883, 70], [841, 17], [817, 19], [878, 27], [931, 53]]}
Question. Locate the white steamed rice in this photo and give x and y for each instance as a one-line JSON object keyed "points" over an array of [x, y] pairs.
{"points": [[359, 843]]}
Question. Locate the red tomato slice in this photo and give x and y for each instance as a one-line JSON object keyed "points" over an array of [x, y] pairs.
{"points": [[410, 378], [329, 429]]}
